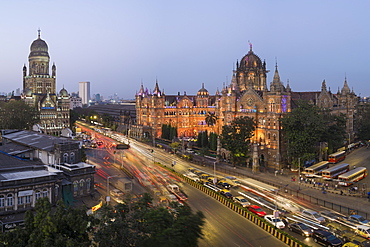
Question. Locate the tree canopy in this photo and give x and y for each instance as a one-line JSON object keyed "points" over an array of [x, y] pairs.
{"points": [[64, 226], [362, 124], [130, 224], [236, 138], [16, 114], [142, 224], [306, 126]]}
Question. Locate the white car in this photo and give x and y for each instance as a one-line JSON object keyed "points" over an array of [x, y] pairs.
{"points": [[242, 201], [275, 221], [313, 215]]}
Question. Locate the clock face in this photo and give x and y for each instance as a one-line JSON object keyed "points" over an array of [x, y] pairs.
{"points": [[250, 101]]}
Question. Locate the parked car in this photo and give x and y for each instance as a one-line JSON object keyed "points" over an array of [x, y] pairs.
{"points": [[226, 193], [223, 184], [345, 232], [363, 231], [313, 215], [358, 219], [331, 216], [362, 242], [277, 222], [325, 238], [242, 201], [257, 210], [301, 229]]}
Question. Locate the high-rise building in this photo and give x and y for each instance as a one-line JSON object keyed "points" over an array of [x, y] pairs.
{"points": [[39, 90], [84, 92]]}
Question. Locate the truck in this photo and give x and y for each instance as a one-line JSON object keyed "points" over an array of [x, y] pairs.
{"points": [[346, 234], [174, 189], [123, 184]]}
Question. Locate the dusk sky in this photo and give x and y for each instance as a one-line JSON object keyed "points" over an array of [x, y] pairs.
{"points": [[117, 45]]}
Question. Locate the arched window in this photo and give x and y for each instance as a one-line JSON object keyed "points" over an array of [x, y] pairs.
{"points": [[20, 200], [45, 193], [274, 137], [56, 191], [9, 200], [82, 184], [2, 201], [75, 186], [28, 199], [65, 158], [88, 184], [37, 194], [72, 157]]}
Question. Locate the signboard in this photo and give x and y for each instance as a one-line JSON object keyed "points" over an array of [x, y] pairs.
{"points": [[25, 193], [122, 146], [97, 206]]}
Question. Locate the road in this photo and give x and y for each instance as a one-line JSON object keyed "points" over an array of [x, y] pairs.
{"points": [[223, 227]]}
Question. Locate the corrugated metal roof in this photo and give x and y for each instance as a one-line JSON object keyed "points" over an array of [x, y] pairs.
{"points": [[36, 140]]}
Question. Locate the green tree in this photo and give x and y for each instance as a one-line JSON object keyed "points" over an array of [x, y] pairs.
{"points": [[362, 122], [306, 126], [43, 227], [141, 224], [335, 130], [236, 138], [175, 146], [213, 141], [16, 114], [205, 142], [211, 119]]}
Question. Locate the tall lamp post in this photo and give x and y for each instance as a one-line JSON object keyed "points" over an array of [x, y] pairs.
{"points": [[108, 197], [214, 173], [299, 173]]}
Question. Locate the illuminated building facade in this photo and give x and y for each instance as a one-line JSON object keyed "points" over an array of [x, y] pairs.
{"points": [[247, 95], [39, 90]]}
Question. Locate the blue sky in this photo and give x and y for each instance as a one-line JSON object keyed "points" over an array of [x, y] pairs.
{"points": [[117, 45]]}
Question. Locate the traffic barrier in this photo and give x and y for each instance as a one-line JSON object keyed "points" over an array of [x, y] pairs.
{"points": [[284, 237]]}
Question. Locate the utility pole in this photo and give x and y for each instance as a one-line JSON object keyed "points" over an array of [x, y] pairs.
{"points": [[299, 173]]}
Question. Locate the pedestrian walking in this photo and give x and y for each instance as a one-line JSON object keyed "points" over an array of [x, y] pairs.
{"points": [[341, 193]]}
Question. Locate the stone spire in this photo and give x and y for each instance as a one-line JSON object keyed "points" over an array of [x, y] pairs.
{"points": [[276, 84], [323, 86], [156, 90], [345, 89]]}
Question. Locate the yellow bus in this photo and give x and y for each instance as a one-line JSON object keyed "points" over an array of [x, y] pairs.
{"points": [[316, 169], [335, 171], [352, 176]]}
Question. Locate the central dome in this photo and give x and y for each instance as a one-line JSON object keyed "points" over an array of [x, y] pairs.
{"points": [[250, 60], [39, 48]]}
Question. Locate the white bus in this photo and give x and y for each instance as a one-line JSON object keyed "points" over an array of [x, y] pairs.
{"points": [[316, 169], [352, 176], [335, 171]]}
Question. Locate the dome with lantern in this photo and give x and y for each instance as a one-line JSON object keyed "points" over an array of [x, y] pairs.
{"points": [[39, 47], [203, 92], [63, 92], [250, 60]]}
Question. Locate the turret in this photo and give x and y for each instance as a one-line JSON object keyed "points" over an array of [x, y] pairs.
{"points": [[53, 70]]}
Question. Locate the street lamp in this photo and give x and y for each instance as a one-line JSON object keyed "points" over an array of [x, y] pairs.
{"points": [[299, 173], [214, 173], [108, 197]]}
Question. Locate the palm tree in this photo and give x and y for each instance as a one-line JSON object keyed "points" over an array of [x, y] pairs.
{"points": [[211, 119]]}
